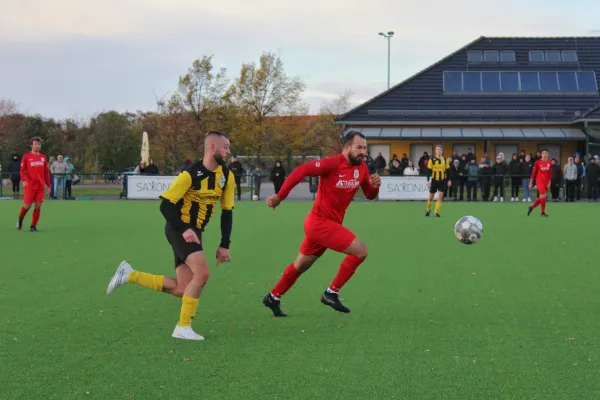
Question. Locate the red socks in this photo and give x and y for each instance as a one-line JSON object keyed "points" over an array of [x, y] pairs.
{"points": [[347, 269], [287, 280], [36, 217], [543, 205], [542, 201], [23, 212]]}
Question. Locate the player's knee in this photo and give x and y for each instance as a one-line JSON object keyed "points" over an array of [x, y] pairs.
{"points": [[178, 291], [201, 276], [362, 251]]}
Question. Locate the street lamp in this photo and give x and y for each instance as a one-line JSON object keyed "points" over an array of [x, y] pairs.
{"points": [[388, 36]]}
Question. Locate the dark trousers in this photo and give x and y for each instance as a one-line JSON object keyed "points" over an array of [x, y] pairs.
{"points": [[68, 185], [570, 190], [472, 187], [238, 183], [578, 189], [463, 183], [593, 189], [555, 190], [499, 186], [277, 185], [515, 184], [15, 185], [452, 193], [485, 191]]}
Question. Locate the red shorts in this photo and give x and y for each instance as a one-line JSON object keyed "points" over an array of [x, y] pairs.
{"points": [[323, 234], [542, 187], [33, 195]]}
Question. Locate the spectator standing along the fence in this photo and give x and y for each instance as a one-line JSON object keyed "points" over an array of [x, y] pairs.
{"points": [[472, 177], [454, 177], [380, 164], [580, 175], [238, 172], [58, 170], [500, 171], [556, 180], [423, 161], [514, 170], [486, 173], [411, 170], [68, 178], [593, 177], [14, 169], [257, 174], [462, 171], [277, 176], [395, 169], [526, 170], [570, 174], [151, 168]]}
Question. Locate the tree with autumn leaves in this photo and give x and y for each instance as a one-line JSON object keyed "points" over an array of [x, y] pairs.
{"points": [[261, 109]]}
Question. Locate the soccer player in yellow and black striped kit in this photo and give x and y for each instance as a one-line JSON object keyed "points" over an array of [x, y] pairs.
{"points": [[187, 207], [438, 173]]}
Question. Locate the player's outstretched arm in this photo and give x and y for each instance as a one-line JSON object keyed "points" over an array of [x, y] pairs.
{"points": [[429, 170], [47, 174], [227, 203], [24, 174], [321, 167]]}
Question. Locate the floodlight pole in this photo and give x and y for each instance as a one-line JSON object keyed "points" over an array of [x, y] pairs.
{"points": [[388, 36]]}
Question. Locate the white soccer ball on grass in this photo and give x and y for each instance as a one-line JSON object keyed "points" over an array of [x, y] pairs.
{"points": [[468, 230]]}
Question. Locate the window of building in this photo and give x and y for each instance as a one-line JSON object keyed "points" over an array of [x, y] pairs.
{"points": [[553, 56], [524, 81], [490, 81], [507, 149], [586, 81], [384, 149], [491, 56], [567, 81], [509, 81], [475, 56], [507, 56], [553, 150], [463, 148], [548, 81], [536, 56], [569, 56], [471, 81], [529, 81], [452, 81]]}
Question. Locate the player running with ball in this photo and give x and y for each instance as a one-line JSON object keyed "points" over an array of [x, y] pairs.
{"points": [[541, 175], [340, 178]]}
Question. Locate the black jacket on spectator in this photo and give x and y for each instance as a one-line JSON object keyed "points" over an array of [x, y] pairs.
{"points": [[379, 162], [278, 176], [14, 167], [237, 169], [593, 172], [500, 169], [514, 168], [151, 169], [557, 174], [527, 168], [454, 173], [395, 168]]}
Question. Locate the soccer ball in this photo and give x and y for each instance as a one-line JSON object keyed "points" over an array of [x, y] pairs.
{"points": [[255, 197], [468, 230]]}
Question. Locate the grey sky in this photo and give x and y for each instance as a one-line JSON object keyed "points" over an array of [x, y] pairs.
{"points": [[66, 58]]}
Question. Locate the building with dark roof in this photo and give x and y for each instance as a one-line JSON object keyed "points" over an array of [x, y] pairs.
{"points": [[496, 94]]}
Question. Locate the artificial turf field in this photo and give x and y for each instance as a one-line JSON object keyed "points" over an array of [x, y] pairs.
{"points": [[431, 318]]}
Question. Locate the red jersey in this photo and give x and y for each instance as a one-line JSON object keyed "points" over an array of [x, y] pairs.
{"points": [[34, 170], [339, 181], [542, 172]]}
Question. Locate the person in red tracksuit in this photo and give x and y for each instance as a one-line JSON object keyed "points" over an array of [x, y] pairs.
{"points": [[542, 176], [35, 174]]}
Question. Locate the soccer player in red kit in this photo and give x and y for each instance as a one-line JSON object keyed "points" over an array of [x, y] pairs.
{"points": [[34, 174], [542, 174], [340, 178]]}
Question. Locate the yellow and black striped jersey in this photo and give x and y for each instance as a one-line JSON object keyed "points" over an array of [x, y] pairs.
{"points": [[196, 191], [437, 168]]}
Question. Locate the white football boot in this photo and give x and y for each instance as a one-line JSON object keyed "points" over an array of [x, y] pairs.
{"points": [[185, 332], [120, 277]]}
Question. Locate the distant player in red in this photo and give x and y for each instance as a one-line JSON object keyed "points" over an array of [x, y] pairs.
{"points": [[34, 175], [542, 174], [340, 178]]}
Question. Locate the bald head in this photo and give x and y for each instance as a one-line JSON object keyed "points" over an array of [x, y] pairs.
{"points": [[216, 146]]}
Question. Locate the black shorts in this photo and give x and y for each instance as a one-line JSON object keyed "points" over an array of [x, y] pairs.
{"points": [[181, 248], [436, 186]]}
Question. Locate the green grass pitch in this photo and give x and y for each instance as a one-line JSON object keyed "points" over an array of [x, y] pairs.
{"points": [[516, 316]]}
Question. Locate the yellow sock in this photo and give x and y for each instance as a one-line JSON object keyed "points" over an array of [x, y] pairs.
{"points": [[188, 310], [154, 282], [438, 205], [429, 203]]}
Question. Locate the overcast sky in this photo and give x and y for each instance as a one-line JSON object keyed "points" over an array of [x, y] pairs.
{"points": [[66, 58]]}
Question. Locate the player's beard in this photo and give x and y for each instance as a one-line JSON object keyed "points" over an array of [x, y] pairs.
{"points": [[219, 159], [355, 160]]}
